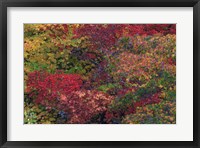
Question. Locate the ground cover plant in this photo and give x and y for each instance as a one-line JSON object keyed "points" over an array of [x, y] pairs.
{"points": [[99, 73]]}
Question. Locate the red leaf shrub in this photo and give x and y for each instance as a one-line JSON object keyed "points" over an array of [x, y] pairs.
{"points": [[131, 109], [102, 36], [151, 29], [45, 86], [63, 92], [84, 104]]}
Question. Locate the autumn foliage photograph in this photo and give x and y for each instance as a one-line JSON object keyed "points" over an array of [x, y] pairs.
{"points": [[99, 73]]}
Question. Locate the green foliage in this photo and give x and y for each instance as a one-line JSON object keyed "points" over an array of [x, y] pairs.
{"points": [[38, 114], [105, 88], [162, 113]]}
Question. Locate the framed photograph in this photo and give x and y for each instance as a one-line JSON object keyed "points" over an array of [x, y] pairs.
{"points": [[99, 73]]}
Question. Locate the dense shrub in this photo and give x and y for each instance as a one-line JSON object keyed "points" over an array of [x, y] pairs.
{"points": [[100, 73]]}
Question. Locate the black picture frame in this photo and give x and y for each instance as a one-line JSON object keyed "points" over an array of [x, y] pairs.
{"points": [[4, 4]]}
